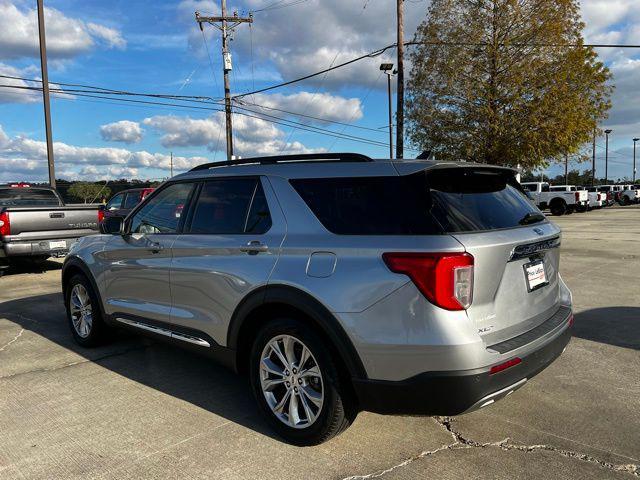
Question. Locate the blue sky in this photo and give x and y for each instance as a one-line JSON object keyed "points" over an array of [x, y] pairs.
{"points": [[157, 47]]}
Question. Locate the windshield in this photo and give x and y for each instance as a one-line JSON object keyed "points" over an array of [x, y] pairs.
{"points": [[32, 197]]}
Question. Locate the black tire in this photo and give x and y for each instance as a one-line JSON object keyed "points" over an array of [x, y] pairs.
{"points": [[337, 411], [98, 333], [558, 207]]}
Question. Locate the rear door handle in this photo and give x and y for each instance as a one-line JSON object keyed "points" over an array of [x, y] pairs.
{"points": [[254, 247]]}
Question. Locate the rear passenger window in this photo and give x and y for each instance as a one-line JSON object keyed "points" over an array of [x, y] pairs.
{"points": [[131, 200], [231, 206], [442, 201]]}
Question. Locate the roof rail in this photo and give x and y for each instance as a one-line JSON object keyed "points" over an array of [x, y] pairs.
{"points": [[300, 158]]}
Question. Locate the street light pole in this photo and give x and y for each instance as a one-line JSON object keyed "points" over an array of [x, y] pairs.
{"points": [[634, 159], [606, 156], [387, 68]]}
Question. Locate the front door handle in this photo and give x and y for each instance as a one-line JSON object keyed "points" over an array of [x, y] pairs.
{"points": [[254, 247], [155, 247]]}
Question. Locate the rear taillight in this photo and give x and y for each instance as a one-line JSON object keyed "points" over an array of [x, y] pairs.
{"points": [[100, 215], [445, 279], [5, 224], [577, 196]]}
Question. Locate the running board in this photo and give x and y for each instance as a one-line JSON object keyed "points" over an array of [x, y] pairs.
{"points": [[165, 332]]}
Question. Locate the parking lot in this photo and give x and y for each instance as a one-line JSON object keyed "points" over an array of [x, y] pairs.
{"points": [[140, 409]]}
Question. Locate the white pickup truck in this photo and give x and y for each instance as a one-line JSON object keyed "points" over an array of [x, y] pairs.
{"points": [[629, 194], [596, 199], [560, 200]]}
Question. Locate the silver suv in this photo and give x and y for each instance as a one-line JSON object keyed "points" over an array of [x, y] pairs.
{"points": [[337, 283]]}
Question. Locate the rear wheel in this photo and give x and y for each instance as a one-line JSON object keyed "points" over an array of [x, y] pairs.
{"points": [[558, 207], [83, 313], [296, 383]]}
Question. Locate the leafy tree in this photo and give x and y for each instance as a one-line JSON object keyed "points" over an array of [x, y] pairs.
{"points": [[495, 81], [88, 192]]}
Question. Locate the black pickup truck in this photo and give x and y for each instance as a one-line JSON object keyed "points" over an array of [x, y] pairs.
{"points": [[35, 223]]}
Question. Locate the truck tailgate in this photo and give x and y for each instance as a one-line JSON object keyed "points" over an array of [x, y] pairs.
{"points": [[36, 223]]}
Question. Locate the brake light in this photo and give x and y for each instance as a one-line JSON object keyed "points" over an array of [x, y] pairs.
{"points": [[100, 215], [5, 224], [503, 366], [445, 279], [577, 196]]}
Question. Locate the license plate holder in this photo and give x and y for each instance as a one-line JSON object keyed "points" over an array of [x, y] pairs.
{"points": [[58, 245], [535, 275]]}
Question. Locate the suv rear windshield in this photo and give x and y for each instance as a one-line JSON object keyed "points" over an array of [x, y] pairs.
{"points": [[425, 203], [19, 197]]}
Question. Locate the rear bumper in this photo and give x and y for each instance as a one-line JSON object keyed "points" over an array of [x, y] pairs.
{"points": [[456, 392], [37, 247]]}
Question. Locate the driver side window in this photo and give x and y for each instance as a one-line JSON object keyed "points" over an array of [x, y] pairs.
{"points": [[115, 203], [162, 213]]}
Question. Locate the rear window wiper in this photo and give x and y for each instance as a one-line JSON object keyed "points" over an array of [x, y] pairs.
{"points": [[530, 218]]}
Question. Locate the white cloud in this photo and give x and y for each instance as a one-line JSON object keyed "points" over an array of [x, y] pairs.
{"points": [[24, 158], [320, 105], [252, 136], [111, 36], [123, 131], [66, 37]]}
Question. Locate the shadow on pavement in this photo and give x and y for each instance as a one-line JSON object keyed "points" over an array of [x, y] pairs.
{"points": [[165, 368], [619, 326], [26, 265]]}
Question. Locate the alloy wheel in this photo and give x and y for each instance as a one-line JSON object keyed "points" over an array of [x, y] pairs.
{"points": [[80, 310], [291, 381]]}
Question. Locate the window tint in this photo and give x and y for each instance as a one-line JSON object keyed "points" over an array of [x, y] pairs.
{"points": [[259, 218], [451, 200], [544, 188], [131, 200], [223, 205], [370, 205], [115, 202], [163, 212], [466, 200], [28, 197], [530, 188]]}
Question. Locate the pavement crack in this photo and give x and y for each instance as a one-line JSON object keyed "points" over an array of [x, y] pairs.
{"points": [[15, 339], [461, 442], [507, 445], [406, 462], [72, 364]]}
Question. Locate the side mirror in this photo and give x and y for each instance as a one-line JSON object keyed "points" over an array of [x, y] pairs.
{"points": [[113, 225]]}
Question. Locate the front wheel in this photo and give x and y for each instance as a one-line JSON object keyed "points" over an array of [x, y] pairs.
{"points": [[297, 385], [83, 313]]}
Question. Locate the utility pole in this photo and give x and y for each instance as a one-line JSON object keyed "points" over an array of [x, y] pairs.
{"points": [[634, 159], [593, 159], [171, 165], [227, 24], [400, 88], [45, 94], [606, 156], [566, 169]]}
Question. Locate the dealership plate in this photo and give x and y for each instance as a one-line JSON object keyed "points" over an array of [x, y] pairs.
{"points": [[57, 245], [535, 275]]}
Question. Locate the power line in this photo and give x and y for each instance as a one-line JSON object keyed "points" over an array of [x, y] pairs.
{"points": [[380, 51], [90, 89], [258, 115], [279, 4]]}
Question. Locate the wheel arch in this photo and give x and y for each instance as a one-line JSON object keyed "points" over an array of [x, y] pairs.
{"points": [[73, 266], [272, 301]]}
